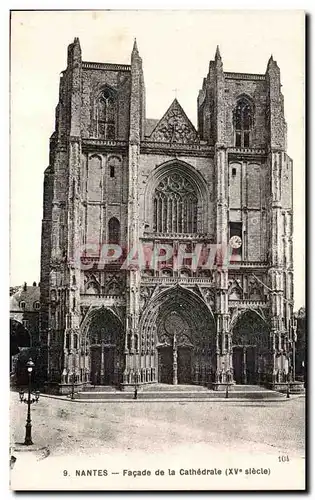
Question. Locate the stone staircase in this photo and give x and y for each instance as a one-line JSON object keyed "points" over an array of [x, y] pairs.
{"points": [[162, 392]]}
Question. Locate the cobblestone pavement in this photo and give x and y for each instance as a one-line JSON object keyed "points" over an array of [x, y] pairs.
{"points": [[66, 426], [116, 430]]}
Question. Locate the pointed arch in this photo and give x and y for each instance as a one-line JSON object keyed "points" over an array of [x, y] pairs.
{"points": [[92, 288], [178, 320], [176, 199], [235, 291], [114, 231], [243, 119], [239, 313], [93, 313], [106, 113], [192, 304]]}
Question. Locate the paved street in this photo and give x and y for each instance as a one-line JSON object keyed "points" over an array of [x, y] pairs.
{"points": [[142, 429]]}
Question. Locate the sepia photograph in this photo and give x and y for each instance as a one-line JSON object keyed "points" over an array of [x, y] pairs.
{"points": [[157, 250]]}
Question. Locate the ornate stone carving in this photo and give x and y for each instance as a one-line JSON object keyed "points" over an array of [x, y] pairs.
{"points": [[84, 310], [145, 295], [255, 290], [175, 127], [209, 296], [235, 289]]}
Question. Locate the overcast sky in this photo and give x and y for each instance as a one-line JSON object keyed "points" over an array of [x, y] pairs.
{"points": [[176, 47]]}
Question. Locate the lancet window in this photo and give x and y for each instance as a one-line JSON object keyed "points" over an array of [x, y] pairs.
{"points": [[106, 114], [243, 121], [114, 231]]}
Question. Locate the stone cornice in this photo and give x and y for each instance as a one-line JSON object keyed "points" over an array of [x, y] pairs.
{"points": [[246, 153], [91, 144]]}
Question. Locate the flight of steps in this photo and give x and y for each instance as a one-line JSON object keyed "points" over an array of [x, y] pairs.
{"points": [[160, 392]]}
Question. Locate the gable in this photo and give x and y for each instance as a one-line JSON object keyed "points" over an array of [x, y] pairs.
{"points": [[175, 127], [235, 291]]}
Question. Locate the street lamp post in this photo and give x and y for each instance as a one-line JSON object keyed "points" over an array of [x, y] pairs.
{"points": [[29, 400], [73, 378], [294, 339]]}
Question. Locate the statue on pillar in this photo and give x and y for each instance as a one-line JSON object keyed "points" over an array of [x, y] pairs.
{"points": [[175, 381]]}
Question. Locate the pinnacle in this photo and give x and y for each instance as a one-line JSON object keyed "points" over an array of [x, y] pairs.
{"points": [[135, 48], [271, 62], [217, 53]]}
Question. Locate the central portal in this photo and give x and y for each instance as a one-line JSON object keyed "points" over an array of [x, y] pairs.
{"points": [[185, 348]]}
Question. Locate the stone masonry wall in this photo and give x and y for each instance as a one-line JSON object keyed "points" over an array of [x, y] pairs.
{"points": [[256, 91], [92, 83]]}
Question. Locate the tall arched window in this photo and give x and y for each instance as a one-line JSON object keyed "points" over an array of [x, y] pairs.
{"points": [[175, 205], [106, 114], [113, 231], [243, 121]]}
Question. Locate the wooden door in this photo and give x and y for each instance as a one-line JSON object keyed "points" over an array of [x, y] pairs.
{"points": [[184, 365], [109, 366], [238, 364], [166, 365], [96, 365]]}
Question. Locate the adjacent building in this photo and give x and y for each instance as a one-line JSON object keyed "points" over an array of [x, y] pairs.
{"points": [[24, 326]]}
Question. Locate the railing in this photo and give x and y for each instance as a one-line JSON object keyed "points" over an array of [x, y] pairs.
{"points": [[243, 76], [93, 141], [245, 263], [173, 280], [106, 300], [102, 261], [106, 66], [248, 303], [193, 146], [256, 151], [177, 236]]}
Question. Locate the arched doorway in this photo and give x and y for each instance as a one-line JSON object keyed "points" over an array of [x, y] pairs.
{"points": [[250, 349], [184, 340], [105, 343]]}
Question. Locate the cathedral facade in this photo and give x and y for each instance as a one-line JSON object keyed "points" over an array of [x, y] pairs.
{"points": [[167, 250]]}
